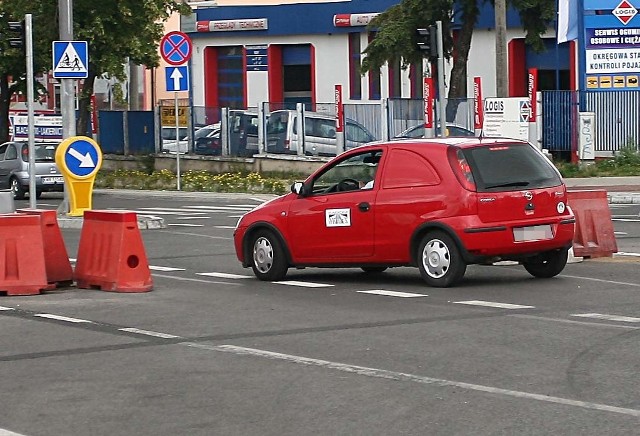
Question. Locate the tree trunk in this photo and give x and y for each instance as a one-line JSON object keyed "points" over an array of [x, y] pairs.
{"points": [[458, 81], [5, 101], [502, 73], [84, 104]]}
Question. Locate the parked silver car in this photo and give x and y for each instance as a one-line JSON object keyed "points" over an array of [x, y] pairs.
{"points": [[14, 168]]}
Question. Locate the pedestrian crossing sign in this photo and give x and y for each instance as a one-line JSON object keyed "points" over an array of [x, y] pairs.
{"points": [[70, 59]]}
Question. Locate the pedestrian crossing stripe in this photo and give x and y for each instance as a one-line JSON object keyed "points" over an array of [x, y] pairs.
{"points": [[70, 59]]}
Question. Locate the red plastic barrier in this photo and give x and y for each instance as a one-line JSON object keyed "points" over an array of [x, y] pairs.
{"points": [[111, 253], [56, 258], [594, 235], [22, 266]]}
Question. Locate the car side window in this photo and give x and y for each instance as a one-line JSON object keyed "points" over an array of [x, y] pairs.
{"points": [[3, 150], [405, 168], [355, 133], [12, 152], [351, 174]]}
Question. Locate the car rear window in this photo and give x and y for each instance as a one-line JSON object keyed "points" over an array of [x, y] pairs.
{"points": [[43, 153], [510, 167]]}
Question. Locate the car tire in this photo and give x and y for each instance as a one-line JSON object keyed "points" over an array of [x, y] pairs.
{"points": [[267, 256], [548, 264], [17, 189], [439, 260], [374, 269]]}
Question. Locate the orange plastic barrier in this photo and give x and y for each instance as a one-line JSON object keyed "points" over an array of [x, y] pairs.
{"points": [[22, 266], [56, 258], [111, 253], [594, 235]]}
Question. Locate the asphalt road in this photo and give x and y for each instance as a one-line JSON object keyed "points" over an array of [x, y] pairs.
{"points": [[213, 351]]}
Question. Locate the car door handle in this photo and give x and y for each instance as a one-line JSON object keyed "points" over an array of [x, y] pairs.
{"points": [[364, 206]]}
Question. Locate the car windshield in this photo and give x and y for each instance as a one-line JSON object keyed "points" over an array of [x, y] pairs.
{"points": [[510, 167], [204, 132]]}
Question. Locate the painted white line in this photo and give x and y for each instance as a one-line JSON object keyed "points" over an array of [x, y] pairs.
{"points": [[189, 279], [226, 208], [624, 253], [225, 275], [171, 210], [225, 227], [6, 308], [62, 318], [4, 432], [612, 282], [625, 220], [160, 212], [148, 333], [303, 284], [570, 321], [493, 304], [235, 216], [404, 377], [607, 317], [620, 233], [165, 268], [185, 225], [259, 200], [393, 293], [72, 259], [203, 217]]}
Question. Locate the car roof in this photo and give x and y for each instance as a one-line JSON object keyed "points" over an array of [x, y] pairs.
{"points": [[460, 141]]}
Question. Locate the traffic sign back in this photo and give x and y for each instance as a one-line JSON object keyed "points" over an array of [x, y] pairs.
{"points": [[175, 48]]}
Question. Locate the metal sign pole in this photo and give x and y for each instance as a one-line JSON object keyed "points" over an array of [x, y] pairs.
{"points": [[67, 89], [441, 86], [30, 97], [177, 140]]}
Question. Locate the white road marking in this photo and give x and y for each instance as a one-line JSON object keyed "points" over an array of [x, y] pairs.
{"points": [[225, 227], [6, 308], [148, 333], [303, 284], [620, 233], [225, 208], [235, 216], [602, 280], [493, 304], [406, 377], [185, 225], [203, 217], [225, 275], [570, 321], [165, 268], [624, 253], [62, 318], [4, 432], [625, 220], [607, 317], [393, 293], [188, 279]]}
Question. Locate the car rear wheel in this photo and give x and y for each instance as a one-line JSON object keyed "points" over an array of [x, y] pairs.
{"points": [[267, 257], [439, 260], [17, 189], [374, 269], [548, 264]]}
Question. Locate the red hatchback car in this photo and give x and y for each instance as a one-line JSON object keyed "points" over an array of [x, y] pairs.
{"points": [[438, 204]]}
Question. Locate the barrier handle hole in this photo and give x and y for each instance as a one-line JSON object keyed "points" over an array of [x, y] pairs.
{"points": [[133, 261]]}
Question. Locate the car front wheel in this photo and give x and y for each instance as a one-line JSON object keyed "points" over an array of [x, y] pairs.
{"points": [[17, 189], [439, 260], [547, 264], [267, 256]]}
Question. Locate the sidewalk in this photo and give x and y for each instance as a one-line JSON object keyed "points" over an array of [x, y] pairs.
{"points": [[620, 190]]}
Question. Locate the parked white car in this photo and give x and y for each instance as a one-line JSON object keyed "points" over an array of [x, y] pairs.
{"points": [[183, 144]]}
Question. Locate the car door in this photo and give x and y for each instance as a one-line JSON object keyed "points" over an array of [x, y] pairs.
{"points": [[4, 169], [335, 223]]}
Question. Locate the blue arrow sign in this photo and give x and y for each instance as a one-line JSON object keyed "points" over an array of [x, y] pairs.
{"points": [[177, 78], [81, 158], [70, 59]]}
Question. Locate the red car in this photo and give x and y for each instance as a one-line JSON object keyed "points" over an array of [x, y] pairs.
{"points": [[438, 204]]}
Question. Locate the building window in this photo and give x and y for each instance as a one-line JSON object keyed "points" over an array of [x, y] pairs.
{"points": [[415, 76], [375, 92], [355, 84], [395, 79], [230, 77]]}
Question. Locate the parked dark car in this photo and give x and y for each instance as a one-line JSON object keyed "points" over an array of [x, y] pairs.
{"points": [[14, 168]]}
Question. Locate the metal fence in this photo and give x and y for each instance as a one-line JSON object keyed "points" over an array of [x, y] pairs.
{"points": [[617, 119]]}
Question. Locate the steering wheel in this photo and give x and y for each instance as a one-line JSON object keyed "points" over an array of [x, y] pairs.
{"points": [[348, 185]]}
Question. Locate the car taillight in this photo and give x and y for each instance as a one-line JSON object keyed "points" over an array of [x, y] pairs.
{"points": [[461, 168]]}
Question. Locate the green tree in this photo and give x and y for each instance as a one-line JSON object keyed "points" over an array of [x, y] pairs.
{"points": [[117, 32], [13, 61], [396, 36]]}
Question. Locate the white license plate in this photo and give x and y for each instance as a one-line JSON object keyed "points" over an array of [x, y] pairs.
{"points": [[532, 233], [52, 180]]}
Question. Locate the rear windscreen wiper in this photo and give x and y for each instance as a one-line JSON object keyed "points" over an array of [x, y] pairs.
{"points": [[507, 185]]}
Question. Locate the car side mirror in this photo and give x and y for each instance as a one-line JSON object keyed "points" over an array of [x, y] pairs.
{"points": [[298, 188]]}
